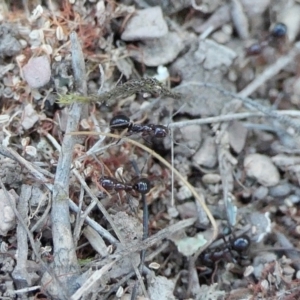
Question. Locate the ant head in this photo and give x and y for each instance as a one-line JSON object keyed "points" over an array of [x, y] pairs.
{"points": [[120, 122], [142, 186], [161, 131], [241, 243]]}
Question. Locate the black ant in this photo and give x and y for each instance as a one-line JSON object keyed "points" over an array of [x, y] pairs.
{"points": [[140, 185], [122, 122], [275, 37], [234, 251], [240, 245]]}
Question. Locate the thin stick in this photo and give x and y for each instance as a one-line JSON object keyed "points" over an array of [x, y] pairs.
{"points": [[79, 219], [26, 290], [230, 117], [20, 272], [65, 258], [97, 227]]}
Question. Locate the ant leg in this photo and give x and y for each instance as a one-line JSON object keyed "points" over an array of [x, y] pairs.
{"points": [[148, 142], [123, 133], [146, 163], [135, 167], [233, 260], [214, 273]]}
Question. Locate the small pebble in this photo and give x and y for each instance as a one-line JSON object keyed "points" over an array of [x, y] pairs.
{"points": [[159, 51], [280, 190], [248, 271], [30, 117], [173, 212], [145, 24], [220, 37], [187, 210], [261, 192], [184, 193], [37, 71], [191, 132], [260, 260], [294, 199], [206, 156], [264, 284], [262, 169], [154, 266], [288, 270], [261, 223], [211, 178], [120, 292], [9, 45]]}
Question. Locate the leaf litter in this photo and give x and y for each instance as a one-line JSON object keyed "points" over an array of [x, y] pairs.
{"points": [[223, 218]]}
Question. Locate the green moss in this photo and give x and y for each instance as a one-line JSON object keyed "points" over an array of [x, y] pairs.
{"points": [[144, 85]]}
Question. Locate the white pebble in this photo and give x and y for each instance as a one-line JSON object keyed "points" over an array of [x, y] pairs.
{"points": [[37, 71], [145, 24], [262, 169]]}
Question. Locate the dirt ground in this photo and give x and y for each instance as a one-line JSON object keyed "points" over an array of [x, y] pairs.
{"points": [[149, 149]]}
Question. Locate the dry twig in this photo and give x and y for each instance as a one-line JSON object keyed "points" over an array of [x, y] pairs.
{"points": [[64, 251]]}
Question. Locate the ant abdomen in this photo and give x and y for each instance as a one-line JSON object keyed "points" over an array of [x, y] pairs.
{"points": [[142, 185], [120, 122], [241, 244]]}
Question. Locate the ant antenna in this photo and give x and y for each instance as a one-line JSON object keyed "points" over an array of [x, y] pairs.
{"points": [[137, 171]]}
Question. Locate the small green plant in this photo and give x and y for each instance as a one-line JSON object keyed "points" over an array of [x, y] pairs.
{"points": [[144, 85]]}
